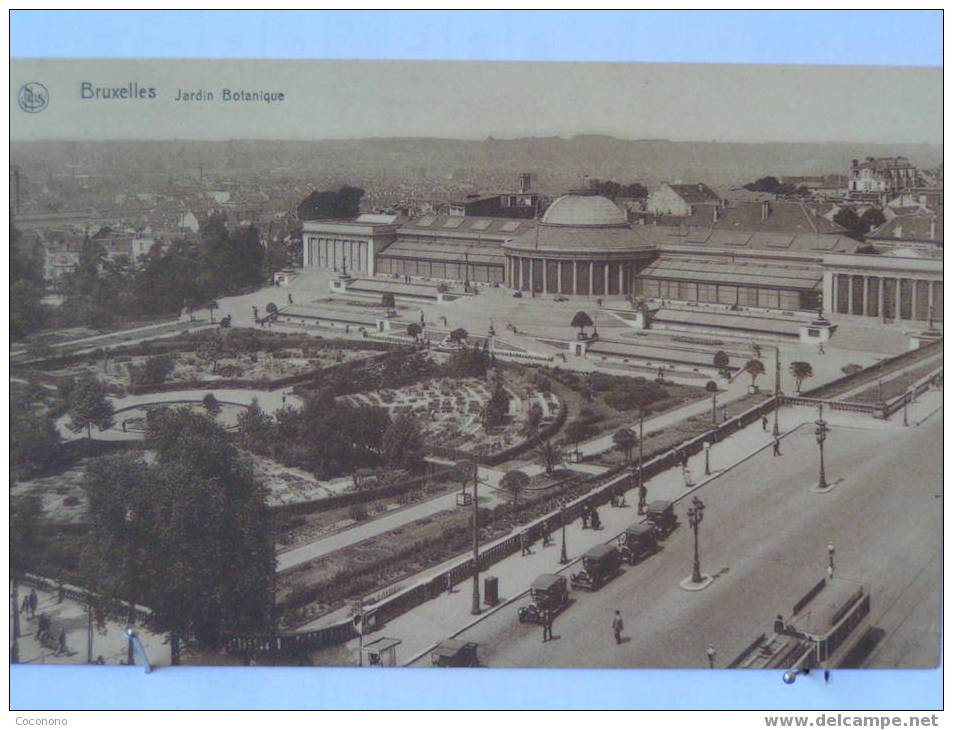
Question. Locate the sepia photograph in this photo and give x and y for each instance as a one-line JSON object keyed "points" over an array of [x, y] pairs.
{"points": [[475, 364]]}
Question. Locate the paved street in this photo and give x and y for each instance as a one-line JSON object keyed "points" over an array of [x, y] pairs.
{"points": [[764, 539], [436, 619]]}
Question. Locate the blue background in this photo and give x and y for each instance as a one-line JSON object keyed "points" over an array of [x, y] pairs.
{"points": [[902, 38]]}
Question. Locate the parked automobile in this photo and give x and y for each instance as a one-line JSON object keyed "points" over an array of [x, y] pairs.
{"points": [[637, 542], [517, 295], [599, 564], [560, 298], [661, 515], [548, 592], [454, 653]]}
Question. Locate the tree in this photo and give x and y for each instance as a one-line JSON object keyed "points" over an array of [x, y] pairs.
{"points": [[848, 219], [189, 536], [254, 426], [27, 311], [343, 203], [721, 361], [413, 329], [403, 444], [533, 418], [497, 408], [625, 440], [211, 405], [388, 302], [152, 372], [754, 368], [514, 482], [459, 335], [873, 218], [576, 432], [581, 320], [88, 406], [210, 350], [801, 371], [549, 455], [34, 442], [711, 386]]}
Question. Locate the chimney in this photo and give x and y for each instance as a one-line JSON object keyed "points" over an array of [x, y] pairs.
{"points": [[765, 210]]}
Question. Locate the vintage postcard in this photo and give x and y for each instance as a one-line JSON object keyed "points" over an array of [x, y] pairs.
{"points": [[451, 364]]}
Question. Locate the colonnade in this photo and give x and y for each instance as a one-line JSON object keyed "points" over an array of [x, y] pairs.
{"points": [[890, 298]]}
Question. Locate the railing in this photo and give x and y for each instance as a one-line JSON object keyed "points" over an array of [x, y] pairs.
{"points": [[921, 386], [75, 593], [872, 409]]}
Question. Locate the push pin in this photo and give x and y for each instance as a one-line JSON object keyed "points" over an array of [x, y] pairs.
{"points": [[790, 676], [140, 650]]}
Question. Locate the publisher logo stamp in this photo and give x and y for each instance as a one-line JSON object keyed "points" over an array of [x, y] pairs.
{"points": [[33, 97]]}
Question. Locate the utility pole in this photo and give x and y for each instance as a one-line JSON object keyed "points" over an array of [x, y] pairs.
{"points": [[475, 606], [563, 557], [777, 390]]}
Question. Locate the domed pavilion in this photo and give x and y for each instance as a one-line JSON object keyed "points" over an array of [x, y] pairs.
{"points": [[582, 246]]}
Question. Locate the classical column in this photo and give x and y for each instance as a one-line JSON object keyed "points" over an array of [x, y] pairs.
{"points": [[605, 289], [929, 297], [896, 305], [621, 279], [545, 264], [850, 294], [880, 299], [575, 277], [863, 301], [591, 276], [559, 277]]}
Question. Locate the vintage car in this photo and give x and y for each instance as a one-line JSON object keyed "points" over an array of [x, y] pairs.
{"points": [[599, 564], [548, 592], [454, 653], [661, 515], [637, 542]]}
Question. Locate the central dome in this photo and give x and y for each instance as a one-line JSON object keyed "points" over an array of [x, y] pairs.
{"points": [[577, 209]]}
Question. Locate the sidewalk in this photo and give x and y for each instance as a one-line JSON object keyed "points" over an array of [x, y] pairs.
{"points": [[110, 643]]}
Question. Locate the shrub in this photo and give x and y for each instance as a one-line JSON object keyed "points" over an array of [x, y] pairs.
{"points": [[357, 512], [851, 369]]}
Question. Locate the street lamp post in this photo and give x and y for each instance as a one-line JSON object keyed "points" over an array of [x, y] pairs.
{"points": [[830, 560], [563, 558], [906, 400], [714, 406], [641, 454], [707, 463], [821, 433], [696, 514], [475, 605]]}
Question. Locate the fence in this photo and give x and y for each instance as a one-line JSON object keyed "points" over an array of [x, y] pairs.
{"points": [[872, 409], [921, 386], [75, 593]]}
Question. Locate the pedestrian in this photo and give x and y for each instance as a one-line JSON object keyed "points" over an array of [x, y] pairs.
{"points": [[34, 601], [764, 422], [25, 606], [830, 572], [777, 446], [617, 627], [290, 300], [687, 476], [60, 593], [524, 544], [547, 619], [820, 348], [61, 643], [643, 494], [585, 517], [42, 625], [283, 398]]}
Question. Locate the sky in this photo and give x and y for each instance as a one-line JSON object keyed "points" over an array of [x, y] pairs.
{"points": [[473, 100]]}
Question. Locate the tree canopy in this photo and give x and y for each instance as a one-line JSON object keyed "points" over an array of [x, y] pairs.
{"points": [[801, 371], [88, 406], [754, 368], [770, 184], [188, 536], [581, 320], [342, 203], [403, 443]]}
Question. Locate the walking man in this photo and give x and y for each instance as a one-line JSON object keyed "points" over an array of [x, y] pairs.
{"points": [[524, 544], [764, 422], [61, 643], [820, 348], [617, 627], [547, 620], [776, 446], [33, 602]]}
